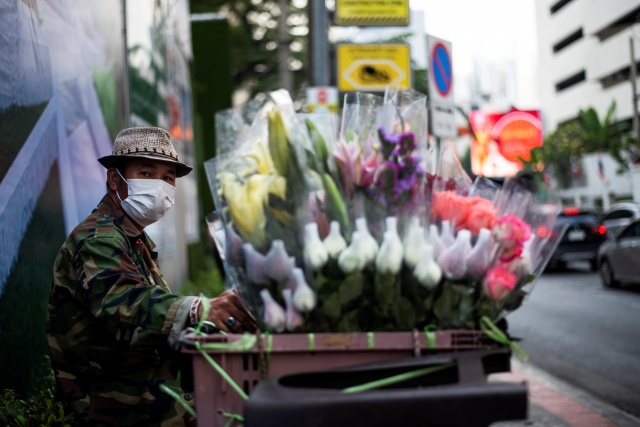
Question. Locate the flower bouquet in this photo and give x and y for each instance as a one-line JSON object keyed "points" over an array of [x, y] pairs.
{"points": [[361, 229]]}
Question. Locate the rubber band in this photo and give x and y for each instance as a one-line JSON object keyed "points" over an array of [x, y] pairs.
{"points": [[246, 343], [221, 371], [178, 399], [397, 378], [232, 418], [312, 342], [430, 335], [497, 335], [269, 343], [206, 307], [370, 341]]}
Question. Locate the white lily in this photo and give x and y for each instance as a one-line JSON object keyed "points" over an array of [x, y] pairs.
{"points": [[413, 242], [391, 222], [334, 242], [278, 264], [452, 260], [304, 298], [446, 234], [352, 258], [389, 257], [255, 265], [315, 254], [369, 246], [293, 319], [274, 316], [427, 272], [435, 241], [479, 257], [233, 246]]}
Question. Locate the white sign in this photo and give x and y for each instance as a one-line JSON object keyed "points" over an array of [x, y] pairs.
{"points": [[442, 110]]}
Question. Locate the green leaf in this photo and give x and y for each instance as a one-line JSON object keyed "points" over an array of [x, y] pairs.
{"points": [[335, 206], [331, 307], [404, 314], [446, 305], [384, 291], [350, 288], [349, 322], [319, 145], [332, 270]]}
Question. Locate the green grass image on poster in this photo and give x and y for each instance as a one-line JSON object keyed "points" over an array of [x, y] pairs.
{"points": [[104, 83], [24, 302], [16, 124]]}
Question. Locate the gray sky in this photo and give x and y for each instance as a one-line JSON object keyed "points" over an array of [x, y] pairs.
{"points": [[495, 31]]}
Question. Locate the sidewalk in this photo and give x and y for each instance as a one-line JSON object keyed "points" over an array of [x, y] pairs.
{"points": [[554, 403]]}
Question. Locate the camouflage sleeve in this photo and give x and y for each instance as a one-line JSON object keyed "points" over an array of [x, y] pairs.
{"points": [[119, 294]]}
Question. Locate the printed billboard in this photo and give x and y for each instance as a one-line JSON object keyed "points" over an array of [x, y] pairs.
{"points": [[61, 99], [503, 140]]}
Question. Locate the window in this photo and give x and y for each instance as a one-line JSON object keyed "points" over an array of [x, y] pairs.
{"points": [[567, 40], [615, 27], [618, 76], [622, 213], [558, 5], [632, 231], [566, 83]]}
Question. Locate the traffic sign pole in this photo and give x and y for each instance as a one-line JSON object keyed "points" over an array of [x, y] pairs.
{"points": [[442, 111], [319, 44]]}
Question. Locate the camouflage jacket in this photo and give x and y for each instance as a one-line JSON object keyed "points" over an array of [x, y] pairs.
{"points": [[111, 319]]}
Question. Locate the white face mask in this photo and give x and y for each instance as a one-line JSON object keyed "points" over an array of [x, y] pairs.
{"points": [[148, 199]]}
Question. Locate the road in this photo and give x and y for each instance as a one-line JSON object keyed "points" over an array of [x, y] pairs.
{"points": [[584, 334]]}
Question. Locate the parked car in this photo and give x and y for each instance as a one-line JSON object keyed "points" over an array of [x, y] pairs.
{"points": [[580, 242], [619, 256], [619, 215]]}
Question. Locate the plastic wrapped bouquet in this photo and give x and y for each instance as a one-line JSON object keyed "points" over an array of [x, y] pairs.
{"points": [[367, 228]]}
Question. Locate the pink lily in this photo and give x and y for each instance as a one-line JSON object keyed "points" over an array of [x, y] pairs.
{"points": [[348, 155]]}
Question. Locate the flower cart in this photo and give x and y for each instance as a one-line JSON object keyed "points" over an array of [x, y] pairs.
{"points": [[352, 379], [375, 267]]}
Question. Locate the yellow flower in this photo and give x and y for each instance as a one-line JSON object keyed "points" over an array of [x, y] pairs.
{"points": [[246, 201], [278, 188], [279, 141], [260, 154]]}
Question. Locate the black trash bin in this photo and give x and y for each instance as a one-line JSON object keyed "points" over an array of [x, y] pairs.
{"points": [[456, 395]]}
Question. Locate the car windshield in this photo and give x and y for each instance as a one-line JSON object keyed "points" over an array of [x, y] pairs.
{"points": [[577, 219]]}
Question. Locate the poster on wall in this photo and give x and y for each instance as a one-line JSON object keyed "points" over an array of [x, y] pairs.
{"points": [[57, 110], [503, 140]]}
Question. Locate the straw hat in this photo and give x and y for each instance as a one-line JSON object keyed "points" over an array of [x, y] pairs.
{"points": [[148, 142]]}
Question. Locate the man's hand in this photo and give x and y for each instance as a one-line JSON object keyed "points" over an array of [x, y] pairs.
{"points": [[229, 315]]}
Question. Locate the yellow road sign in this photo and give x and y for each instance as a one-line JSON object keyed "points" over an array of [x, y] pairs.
{"points": [[372, 12], [372, 67]]}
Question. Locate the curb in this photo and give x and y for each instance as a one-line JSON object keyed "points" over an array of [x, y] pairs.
{"points": [[554, 402]]}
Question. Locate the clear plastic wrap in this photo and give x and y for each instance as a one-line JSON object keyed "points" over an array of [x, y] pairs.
{"points": [[348, 232]]}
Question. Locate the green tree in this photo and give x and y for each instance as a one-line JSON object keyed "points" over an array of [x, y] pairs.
{"points": [[565, 143], [588, 133], [604, 135], [254, 34]]}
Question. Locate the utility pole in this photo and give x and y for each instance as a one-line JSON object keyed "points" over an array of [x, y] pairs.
{"points": [[319, 43], [284, 41], [634, 88], [634, 99]]}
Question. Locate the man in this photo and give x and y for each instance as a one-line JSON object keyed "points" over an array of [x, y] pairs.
{"points": [[112, 321]]}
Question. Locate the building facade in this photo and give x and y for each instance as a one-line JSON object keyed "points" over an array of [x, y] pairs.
{"points": [[584, 60]]}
